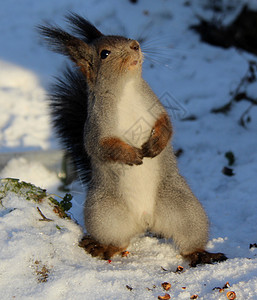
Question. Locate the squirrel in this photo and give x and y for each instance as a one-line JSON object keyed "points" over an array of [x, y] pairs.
{"points": [[118, 135]]}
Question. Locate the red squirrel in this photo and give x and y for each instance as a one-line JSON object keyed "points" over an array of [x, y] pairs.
{"points": [[133, 183]]}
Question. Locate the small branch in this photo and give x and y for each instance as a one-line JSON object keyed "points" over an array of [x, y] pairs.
{"points": [[42, 215], [242, 121], [240, 93], [253, 101], [223, 109]]}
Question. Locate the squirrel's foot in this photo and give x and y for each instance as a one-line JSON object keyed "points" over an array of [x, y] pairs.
{"points": [[114, 149], [204, 257], [160, 136], [99, 250]]}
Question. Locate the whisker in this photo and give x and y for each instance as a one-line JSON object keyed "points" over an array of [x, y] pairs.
{"points": [[159, 56], [160, 63], [157, 53], [157, 48], [160, 40], [149, 55], [162, 46]]}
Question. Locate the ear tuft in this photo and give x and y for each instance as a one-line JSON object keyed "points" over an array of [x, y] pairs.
{"points": [[55, 37], [62, 42], [83, 28]]}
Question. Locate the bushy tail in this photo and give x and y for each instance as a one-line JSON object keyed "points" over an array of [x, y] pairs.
{"points": [[69, 96], [68, 107]]}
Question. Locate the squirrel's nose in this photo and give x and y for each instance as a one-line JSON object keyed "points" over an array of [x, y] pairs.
{"points": [[134, 45]]}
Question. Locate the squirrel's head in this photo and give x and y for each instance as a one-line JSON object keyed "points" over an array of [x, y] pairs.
{"points": [[97, 55]]}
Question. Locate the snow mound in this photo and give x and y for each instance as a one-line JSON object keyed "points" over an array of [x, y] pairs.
{"points": [[49, 264], [30, 171]]}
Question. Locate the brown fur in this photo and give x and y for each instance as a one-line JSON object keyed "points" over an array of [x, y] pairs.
{"points": [[113, 149], [204, 257], [96, 249], [161, 134]]}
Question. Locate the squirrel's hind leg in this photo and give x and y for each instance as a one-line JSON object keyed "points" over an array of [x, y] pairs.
{"points": [[204, 257], [99, 250], [180, 216], [110, 224]]}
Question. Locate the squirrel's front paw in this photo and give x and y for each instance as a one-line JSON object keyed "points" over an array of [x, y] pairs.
{"points": [[129, 156], [134, 157], [154, 145], [159, 138], [113, 149], [151, 148]]}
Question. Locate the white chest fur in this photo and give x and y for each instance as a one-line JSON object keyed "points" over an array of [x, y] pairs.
{"points": [[138, 184], [135, 120]]}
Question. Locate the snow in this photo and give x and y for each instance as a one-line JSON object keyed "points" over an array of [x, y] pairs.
{"points": [[22, 168], [199, 77]]}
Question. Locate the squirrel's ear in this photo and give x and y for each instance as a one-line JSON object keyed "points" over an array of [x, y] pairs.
{"points": [[62, 42]]}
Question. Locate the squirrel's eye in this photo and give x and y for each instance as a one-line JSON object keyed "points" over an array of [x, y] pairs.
{"points": [[104, 53]]}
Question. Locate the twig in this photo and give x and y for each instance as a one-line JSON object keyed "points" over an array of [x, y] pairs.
{"points": [[238, 96], [226, 107], [242, 121], [42, 215]]}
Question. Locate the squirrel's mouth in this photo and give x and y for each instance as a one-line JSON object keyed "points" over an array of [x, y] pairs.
{"points": [[134, 62]]}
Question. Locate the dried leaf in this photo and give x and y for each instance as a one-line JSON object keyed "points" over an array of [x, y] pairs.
{"points": [[231, 295], [230, 157], [125, 253], [228, 171], [226, 285], [154, 287], [179, 269], [166, 285], [129, 287], [41, 271], [165, 297]]}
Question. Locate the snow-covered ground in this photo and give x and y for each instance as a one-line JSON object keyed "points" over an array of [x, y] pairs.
{"points": [[198, 77]]}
